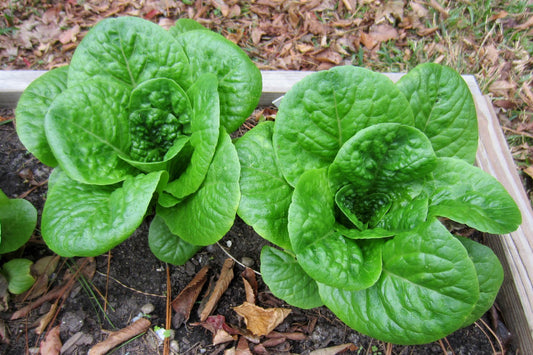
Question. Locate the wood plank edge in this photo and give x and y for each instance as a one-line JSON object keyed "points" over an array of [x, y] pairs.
{"points": [[514, 250]]}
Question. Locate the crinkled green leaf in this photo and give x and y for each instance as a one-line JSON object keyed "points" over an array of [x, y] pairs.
{"points": [[372, 233], [408, 210], [207, 215], [204, 138], [427, 290], [266, 195], [31, 111], [324, 110], [88, 220], [128, 50], [287, 280], [362, 211], [325, 254], [166, 163], [17, 273], [383, 158], [239, 80], [467, 194], [489, 273], [18, 218], [159, 114], [167, 246], [444, 109], [87, 128]]}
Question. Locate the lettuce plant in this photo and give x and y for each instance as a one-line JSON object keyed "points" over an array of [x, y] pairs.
{"points": [[140, 120], [18, 218], [351, 184]]}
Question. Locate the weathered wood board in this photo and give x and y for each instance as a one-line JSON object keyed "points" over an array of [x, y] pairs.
{"points": [[515, 250]]}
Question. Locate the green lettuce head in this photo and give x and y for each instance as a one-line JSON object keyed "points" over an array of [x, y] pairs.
{"points": [[140, 119], [350, 184]]}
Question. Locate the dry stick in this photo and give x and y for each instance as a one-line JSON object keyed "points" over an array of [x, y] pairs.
{"points": [[130, 288], [30, 291], [493, 334], [237, 261], [63, 298], [444, 351], [168, 322], [33, 189], [52, 295], [449, 345], [514, 131], [107, 280], [120, 336]]}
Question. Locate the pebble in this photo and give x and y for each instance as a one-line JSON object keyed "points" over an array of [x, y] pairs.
{"points": [[247, 261], [72, 322], [174, 346], [147, 308]]}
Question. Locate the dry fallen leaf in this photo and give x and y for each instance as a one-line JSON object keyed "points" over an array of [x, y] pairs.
{"points": [[333, 350], [43, 321], [69, 35], [51, 345], [329, 56], [441, 10], [368, 41], [242, 347], [502, 88], [383, 33], [420, 10], [250, 284], [498, 15], [221, 331], [184, 302], [525, 25], [120, 336], [226, 275], [390, 11], [529, 171], [261, 321]]}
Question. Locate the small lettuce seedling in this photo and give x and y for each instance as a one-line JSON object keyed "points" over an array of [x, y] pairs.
{"points": [[18, 219], [140, 117], [350, 183]]}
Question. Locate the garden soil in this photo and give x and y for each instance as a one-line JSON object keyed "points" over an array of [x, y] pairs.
{"points": [[132, 280]]}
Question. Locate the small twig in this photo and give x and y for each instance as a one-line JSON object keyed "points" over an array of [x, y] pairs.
{"points": [[25, 194], [55, 293], [63, 297], [519, 133], [444, 351], [493, 334], [237, 261], [107, 280], [168, 321], [128, 287], [449, 345]]}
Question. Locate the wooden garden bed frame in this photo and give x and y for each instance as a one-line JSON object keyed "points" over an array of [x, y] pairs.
{"points": [[515, 250]]}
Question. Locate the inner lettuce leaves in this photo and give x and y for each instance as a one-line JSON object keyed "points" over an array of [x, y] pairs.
{"points": [[365, 171], [138, 123]]}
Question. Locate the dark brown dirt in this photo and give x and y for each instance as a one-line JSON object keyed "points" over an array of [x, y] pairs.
{"points": [[136, 278]]}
